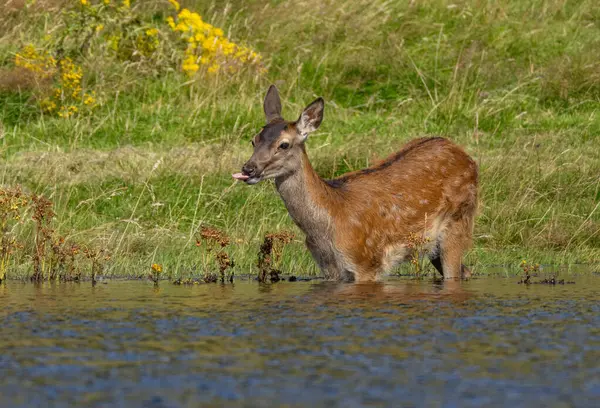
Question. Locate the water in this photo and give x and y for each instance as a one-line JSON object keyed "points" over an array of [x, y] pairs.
{"points": [[486, 342]]}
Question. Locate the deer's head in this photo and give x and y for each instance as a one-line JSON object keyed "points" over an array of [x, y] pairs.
{"points": [[278, 147]]}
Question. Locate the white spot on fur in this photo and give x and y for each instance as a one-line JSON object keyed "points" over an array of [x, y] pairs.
{"points": [[423, 202]]}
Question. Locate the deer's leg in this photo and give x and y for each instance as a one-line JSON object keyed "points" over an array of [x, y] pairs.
{"points": [[324, 260], [436, 261], [454, 243]]}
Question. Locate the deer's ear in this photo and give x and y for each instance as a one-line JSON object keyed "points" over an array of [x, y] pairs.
{"points": [[311, 118], [272, 104]]}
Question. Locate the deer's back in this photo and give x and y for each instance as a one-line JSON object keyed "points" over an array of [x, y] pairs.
{"points": [[421, 176]]}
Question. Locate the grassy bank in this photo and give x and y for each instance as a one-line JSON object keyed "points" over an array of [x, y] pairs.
{"points": [[516, 83]]}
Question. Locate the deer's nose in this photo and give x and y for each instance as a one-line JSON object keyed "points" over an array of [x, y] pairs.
{"points": [[249, 169]]}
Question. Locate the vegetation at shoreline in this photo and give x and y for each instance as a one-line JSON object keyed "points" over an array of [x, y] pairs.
{"points": [[131, 126]]}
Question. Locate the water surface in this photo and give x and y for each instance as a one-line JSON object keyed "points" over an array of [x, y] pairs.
{"points": [[486, 342]]}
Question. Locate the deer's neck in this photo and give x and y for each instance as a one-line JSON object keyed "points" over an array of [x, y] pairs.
{"points": [[308, 198]]}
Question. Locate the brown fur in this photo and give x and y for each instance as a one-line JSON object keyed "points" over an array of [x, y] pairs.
{"points": [[427, 180], [359, 224]]}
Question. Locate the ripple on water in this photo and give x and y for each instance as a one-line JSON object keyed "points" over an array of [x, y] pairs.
{"points": [[486, 342]]}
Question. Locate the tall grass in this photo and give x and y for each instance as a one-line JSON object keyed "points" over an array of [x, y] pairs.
{"points": [[516, 83]]}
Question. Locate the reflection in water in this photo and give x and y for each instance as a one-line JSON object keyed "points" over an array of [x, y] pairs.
{"points": [[481, 343], [382, 291]]}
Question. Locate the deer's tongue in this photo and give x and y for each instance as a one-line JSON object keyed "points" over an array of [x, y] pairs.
{"points": [[240, 176]]}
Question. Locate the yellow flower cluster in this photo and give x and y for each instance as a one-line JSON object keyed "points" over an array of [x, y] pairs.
{"points": [[147, 42], [175, 4], [71, 76], [124, 3], [207, 45], [40, 63], [68, 92]]}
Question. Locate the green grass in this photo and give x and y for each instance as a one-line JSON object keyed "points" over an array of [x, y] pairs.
{"points": [[516, 83]]}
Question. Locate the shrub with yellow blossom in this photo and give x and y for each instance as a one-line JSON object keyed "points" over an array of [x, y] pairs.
{"points": [[147, 41], [155, 274], [114, 30], [113, 24], [40, 63], [207, 45], [67, 95]]}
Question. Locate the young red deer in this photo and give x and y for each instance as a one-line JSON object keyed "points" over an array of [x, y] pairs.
{"points": [[358, 225]]}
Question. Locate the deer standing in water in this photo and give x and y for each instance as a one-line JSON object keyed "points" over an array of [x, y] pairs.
{"points": [[358, 226]]}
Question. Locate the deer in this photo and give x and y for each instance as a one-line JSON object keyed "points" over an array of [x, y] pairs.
{"points": [[358, 225]]}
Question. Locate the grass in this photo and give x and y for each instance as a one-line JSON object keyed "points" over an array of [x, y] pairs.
{"points": [[516, 83]]}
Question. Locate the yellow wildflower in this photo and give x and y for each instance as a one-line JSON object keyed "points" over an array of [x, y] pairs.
{"points": [[85, 2], [157, 268], [38, 62], [190, 66], [185, 13], [208, 45], [68, 93], [48, 105], [171, 22], [175, 4], [88, 99]]}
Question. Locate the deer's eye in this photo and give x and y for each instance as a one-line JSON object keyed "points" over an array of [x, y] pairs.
{"points": [[284, 145]]}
